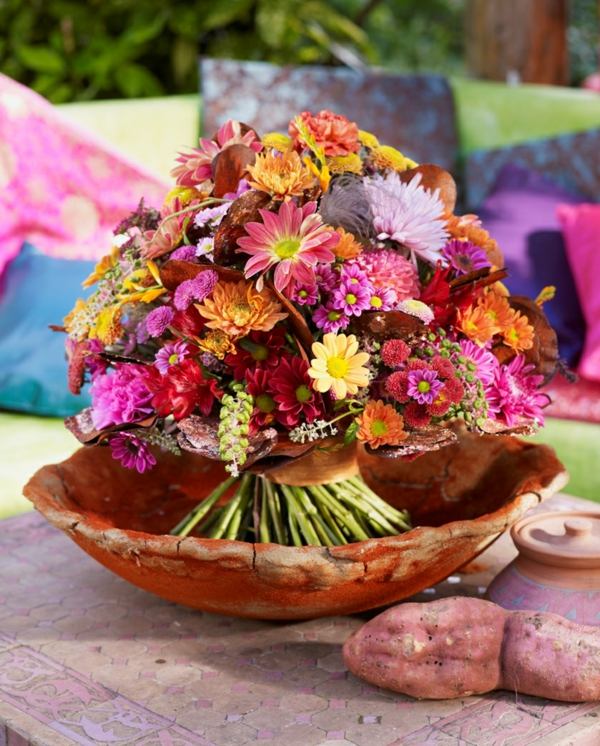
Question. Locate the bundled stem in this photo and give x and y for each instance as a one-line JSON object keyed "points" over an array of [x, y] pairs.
{"points": [[315, 515]]}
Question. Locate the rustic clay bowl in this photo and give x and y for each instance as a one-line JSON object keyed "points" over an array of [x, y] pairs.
{"points": [[482, 486]]}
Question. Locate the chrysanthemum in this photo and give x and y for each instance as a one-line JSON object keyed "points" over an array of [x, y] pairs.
{"points": [[258, 386], [171, 354], [408, 214], [514, 396], [305, 295], [184, 253], [380, 425], [389, 270], [352, 298], [293, 241], [182, 390], [132, 452], [382, 299], [336, 134], [394, 352], [216, 343], [465, 257], [196, 289], [238, 308], [479, 360], [468, 227], [120, 396], [477, 325], [416, 308], [517, 332], [158, 320], [386, 157], [257, 350], [296, 399], [423, 385], [338, 366], [345, 164], [330, 319], [347, 247], [282, 175]]}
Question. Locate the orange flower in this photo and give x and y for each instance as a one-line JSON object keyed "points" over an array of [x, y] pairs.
{"points": [[238, 308], [477, 325], [497, 308], [280, 175], [468, 227], [217, 343], [348, 247], [517, 332], [380, 425], [336, 134]]}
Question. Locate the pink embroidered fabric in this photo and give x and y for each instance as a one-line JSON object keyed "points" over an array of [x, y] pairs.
{"points": [[61, 188]]}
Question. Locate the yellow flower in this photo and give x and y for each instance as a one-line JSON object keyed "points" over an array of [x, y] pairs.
{"points": [[338, 366], [238, 308], [76, 321], [477, 325], [367, 139], [184, 195], [380, 425], [104, 265], [216, 342], [347, 247], [384, 156], [350, 163], [281, 175], [143, 285], [108, 327], [277, 140]]}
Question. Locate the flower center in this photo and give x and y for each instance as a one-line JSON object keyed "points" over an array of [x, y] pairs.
{"points": [[260, 352], [265, 403], [351, 299], [464, 262], [333, 315], [303, 393], [376, 302], [286, 248], [173, 359], [378, 428], [303, 294], [423, 386], [337, 367]]}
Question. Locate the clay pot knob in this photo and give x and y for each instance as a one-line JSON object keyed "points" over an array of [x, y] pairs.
{"points": [[578, 527]]}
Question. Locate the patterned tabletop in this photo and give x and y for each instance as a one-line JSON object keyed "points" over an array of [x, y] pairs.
{"points": [[87, 659]]}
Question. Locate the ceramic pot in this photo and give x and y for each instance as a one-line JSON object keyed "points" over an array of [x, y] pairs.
{"points": [[466, 498], [558, 567]]}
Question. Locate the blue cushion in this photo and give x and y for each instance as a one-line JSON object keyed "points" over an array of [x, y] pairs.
{"points": [[37, 290]]}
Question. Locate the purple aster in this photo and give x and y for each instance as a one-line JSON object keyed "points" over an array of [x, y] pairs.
{"points": [[132, 452], [480, 361], [325, 277], [195, 290], [423, 385], [184, 254], [352, 297], [158, 320], [212, 215], [465, 256], [514, 396], [171, 354], [120, 396], [382, 299], [330, 319], [305, 295]]}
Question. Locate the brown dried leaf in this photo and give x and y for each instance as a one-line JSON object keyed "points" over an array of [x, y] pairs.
{"points": [[480, 278], [388, 324], [243, 210], [296, 320], [229, 166], [419, 441], [434, 177], [82, 427], [544, 354]]}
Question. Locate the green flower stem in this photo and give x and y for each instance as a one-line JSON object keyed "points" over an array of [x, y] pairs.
{"points": [[263, 531], [345, 516], [193, 518], [296, 540], [364, 493], [274, 506], [301, 515], [369, 513], [244, 492], [328, 517], [231, 513]]}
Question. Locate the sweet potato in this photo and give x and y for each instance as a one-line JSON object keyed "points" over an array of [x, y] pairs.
{"points": [[455, 647]]}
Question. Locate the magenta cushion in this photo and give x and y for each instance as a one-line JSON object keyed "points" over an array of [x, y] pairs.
{"points": [[581, 229]]}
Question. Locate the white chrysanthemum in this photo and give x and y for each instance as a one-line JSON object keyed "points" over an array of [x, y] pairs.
{"points": [[408, 214]]}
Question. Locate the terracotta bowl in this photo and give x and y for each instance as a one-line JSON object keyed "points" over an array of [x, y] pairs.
{"points": [[482, 486]]}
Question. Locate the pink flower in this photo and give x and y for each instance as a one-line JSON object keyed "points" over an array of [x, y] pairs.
{"points": [[514, 396], [336, 134], [293, 241], [387, 269]]}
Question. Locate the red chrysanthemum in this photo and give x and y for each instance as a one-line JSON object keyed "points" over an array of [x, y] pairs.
{"points": [[257, 350], [454, 390], [258, 385], [396, 386], [443, 367], [183, 389], [296, 399], [441, 404], [394, 352], [416, 415], [416, 363]]}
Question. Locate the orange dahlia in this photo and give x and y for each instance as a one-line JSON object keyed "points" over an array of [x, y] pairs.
{"points": [[380, 425]]}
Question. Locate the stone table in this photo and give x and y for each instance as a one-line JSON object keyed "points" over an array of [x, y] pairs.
{"points": [[87, 659]]}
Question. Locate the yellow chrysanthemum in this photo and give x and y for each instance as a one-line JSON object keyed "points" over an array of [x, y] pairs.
{"points": [[338, 366], [216, 342], [380, 425], [384, 156], [277, 140], [102, 268], [341, 164], [108, 327], [237, 308], [347, 247], [280, 175], [367, 139]]}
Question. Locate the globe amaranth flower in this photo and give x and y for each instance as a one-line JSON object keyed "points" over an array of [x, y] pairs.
{"points": [[380, 425], [131, 451], [293, 241], [334, 133], [181, 390], [172, 353], [158, 321], [514, 395], [338, 366], [423, 385], [465, 257], [196, 289], [408, 214], [388, 270], [330, 319], [120, 396], [296, 399]]}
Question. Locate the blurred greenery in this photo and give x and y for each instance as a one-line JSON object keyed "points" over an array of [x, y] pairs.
{"points": [[71, 50]]}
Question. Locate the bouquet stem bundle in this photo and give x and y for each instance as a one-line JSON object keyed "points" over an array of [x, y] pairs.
{"points": [[317, 515]]}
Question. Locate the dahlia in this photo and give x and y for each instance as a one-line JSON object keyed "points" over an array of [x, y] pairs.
{"points": [[380, 425], [408, 214], [132, 452], [183, 389], [514, 396], [238, 308], [295, 397], [338, 366], [465, 257], [334, 133], [293, 241], [387, 269], [120, 396], [282, 175]]}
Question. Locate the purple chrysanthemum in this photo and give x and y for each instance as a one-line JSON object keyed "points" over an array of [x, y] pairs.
{"points": [[465, 257], [171, 354], [158, 320], [132, 452], [514, 396], [120, 396], [353, 274], [330, 319], [423, 385], [196, 289], [352, 297], [382, 299], [325, 277], [212, 215], [305, 295], [184, 253], [480, 361]]}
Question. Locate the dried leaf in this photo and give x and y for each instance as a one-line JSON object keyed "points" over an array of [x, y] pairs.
{"points": [[243, 210], [544, 354], [83, 429], [419, 441], [229, 166], [388, 324]]}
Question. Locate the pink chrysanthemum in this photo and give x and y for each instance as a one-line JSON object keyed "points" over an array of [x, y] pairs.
{"points": [[479, 360], [389, 270], [424, 385], [514, 396], [293, 241], [465, 257], [330, 319], [132, 452], [408, 214], [121, 396]]}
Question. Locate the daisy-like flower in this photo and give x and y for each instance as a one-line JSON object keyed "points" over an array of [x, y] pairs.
{"points": [[282, 175], [408, 214], [416, 308], [514, 396], [305, 295], [423, 385], [293, 241], [468, 227], [380, 425], [338, 366], [296, 399], [259, 387], [238, 308], [517, 332], [352, 297], [132, 452], [465, 257], [336, 134], [205, 248], [382, 299], [171, 354], [257, 350], [330, 319], [479, 360], [325, 277], [389, 270], [196, 167], [211, 215], [477, 325]]}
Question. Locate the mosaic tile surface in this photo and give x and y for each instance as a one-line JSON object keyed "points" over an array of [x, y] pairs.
{"points": [[87, 659]]}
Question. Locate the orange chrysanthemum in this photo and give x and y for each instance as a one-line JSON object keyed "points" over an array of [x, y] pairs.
{"points": [[468, 227], [380, 425], [282, 175], [217, 343], [237, 308], [497, 308], [477, 325], [517, 332], [348, 247]]}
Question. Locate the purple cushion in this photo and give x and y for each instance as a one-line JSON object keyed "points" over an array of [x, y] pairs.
{"points": [[520, 213]]}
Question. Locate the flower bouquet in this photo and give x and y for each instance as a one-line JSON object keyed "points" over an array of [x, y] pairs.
{"points": [[298, 296]]}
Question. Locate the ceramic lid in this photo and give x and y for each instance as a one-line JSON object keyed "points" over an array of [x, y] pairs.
{"points": [[565, 539]]}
